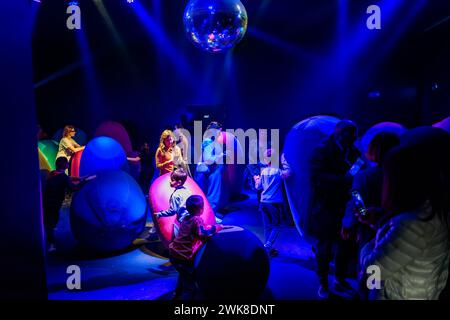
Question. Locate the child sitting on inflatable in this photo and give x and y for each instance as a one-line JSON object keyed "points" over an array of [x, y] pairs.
{"points": [[177, 199], [191, 236]]}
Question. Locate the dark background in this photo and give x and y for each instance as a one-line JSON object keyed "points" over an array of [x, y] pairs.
{"points": [[299, 58]]}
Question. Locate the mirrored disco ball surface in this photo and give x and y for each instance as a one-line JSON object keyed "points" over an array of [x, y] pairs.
{"points": [[215, 25]]}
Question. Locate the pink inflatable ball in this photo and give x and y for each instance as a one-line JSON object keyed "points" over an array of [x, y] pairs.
{"points": [[159, 196], [75, 164], [299, 144], [117, 132], [444, 124], [102, 154], [389, 127], [80, 136]]}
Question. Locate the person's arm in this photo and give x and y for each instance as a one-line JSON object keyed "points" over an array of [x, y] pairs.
{"points": [[209, 155], [185, 145], [350, 220], [80, 182], [174, 206], [75, 144], [134, 159], [177, 154], [205, 232], [395, 247], [71, 185], [258, 182], [75, 149]]}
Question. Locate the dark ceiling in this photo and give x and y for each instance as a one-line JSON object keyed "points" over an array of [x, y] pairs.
{"points": [[272, 62]]}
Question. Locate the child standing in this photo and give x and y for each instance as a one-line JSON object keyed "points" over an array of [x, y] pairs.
{"points": [[191, 236], [272, 202], [54, 194], [177, 199]]}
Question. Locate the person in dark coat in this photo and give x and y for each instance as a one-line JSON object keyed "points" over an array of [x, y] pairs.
{"points": [[54, 193], [145, 175], [333, 165]]}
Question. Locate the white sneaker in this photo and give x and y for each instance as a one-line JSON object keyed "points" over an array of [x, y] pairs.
{"points": [[218, 221]]}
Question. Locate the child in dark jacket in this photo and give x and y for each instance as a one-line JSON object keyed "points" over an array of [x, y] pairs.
{"points": [[58, 183], [192, 235]]}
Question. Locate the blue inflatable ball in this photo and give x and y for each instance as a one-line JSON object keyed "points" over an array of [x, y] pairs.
{"points": [[109, 212], [102, 154], [232, 264]]}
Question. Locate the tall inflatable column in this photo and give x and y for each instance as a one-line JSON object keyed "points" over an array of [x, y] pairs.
{"points": [[22, 266]]}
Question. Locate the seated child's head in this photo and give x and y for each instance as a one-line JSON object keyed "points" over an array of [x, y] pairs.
{"points": [[194, 205], [178, 178], [61, 163]]}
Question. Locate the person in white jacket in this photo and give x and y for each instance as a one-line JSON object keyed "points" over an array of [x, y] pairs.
{"points": [[412, 246]]}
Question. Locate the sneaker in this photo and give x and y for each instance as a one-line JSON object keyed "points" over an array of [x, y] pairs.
{"points": [[219, 215], [218, 221], [323, 293]]}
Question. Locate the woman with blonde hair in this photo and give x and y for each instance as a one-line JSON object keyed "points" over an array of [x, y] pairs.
{"points": [[68, 146], [168, 155]]}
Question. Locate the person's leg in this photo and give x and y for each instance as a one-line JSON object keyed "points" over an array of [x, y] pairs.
{"points": [[50, 234], [176, 228], [345, 256], [323, 258], [51, 217], [187, 286], [345, 250], [267, 222], [190, 284], [202, 178], [214, 189], [275, 217], [179, 286]]}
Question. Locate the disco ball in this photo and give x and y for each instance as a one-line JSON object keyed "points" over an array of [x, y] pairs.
{"points": [[215, 25]]}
